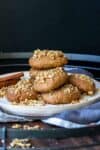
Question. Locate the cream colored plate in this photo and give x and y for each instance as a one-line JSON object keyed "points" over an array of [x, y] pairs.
{"points": [[47, 110]]}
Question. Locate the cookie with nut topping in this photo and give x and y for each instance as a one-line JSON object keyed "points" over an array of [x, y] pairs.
{"points": [[33, 72], [83, 82], [22, 90], [45, 59], [65, 94], [50, 79]]}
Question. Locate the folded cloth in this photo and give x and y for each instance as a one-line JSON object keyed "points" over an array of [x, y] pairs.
{"points": [[81, 116], [76, 118]]}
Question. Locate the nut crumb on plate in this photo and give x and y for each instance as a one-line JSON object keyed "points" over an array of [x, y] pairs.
{"points": [[20, 143]]}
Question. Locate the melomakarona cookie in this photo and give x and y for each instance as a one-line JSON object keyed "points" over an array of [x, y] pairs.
{"points": [[66, 94], [22, 90], [45, 59], [83, 82], [50, 79]]}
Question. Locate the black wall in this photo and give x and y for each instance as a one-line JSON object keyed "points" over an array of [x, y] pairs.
{"points": [[72, 25]]}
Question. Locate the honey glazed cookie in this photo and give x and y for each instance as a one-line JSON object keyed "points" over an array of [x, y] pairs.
{"points": [[21, 91], [83, 82], [65, 94], [45, 59], [50, 79]]}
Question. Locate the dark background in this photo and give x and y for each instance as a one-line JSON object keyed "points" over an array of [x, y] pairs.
{"points": [[70, 25]]}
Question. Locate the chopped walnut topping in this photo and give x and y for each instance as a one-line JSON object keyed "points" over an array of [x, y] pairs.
{"points": [[49, 74], [84, 77], [49, 53], [3, 91], [23, 84], [16, 126], [90, 92], [67, 90], [69, 87]]}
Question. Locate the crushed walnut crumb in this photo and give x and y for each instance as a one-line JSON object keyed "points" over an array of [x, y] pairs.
{"points": [[29, 102], [25, 127], [20, 143], [84, 77], [68, 88], [23, 84], [16, 126]]}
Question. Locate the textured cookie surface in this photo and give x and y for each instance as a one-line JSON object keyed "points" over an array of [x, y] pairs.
{"points": [[45, 59], [33, 72], [83, 82], [63, 95], [21, 91], [51, 79]]}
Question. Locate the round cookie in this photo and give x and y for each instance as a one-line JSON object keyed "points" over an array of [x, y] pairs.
{"points": [[21, 91], [51, 79], [83, 82], [45, 59], [66, 94]]}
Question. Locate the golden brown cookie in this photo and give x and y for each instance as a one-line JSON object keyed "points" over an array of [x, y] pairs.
{"points": [[21, 91], [63, 95], [83, 82], [33, 72], [51, 79], [45, 59]]}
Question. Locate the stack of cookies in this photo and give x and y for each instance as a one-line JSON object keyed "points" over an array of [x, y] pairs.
{"points": [[50, 81]]}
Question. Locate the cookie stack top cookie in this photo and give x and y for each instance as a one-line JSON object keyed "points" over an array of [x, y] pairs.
{"points": [[47, 59]]}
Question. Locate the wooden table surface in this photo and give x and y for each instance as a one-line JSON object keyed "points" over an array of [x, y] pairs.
{"points": [[89, 139]]}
